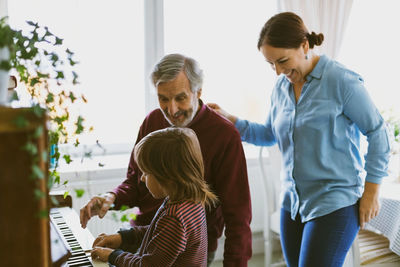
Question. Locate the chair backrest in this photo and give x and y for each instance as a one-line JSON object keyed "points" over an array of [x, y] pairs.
{"points": [[270, 164], [372, 250]]}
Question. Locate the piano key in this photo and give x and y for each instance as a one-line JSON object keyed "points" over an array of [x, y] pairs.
{"points": [[67, 223]]}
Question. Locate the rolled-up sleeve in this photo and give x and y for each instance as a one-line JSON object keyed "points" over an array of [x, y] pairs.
{"points": [[360, 109]]}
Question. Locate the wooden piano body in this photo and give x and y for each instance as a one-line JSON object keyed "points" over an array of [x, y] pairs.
{"points": [[24, 225]]}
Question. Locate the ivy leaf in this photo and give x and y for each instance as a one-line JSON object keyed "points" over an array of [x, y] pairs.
{"points": [[38, 111], [31, 23], [72, 97], [114, 216], [14, 96], [69, 52], [34, 81], [37, 172], [38, 132], [50, 183], [133, 216], [44, 156], [75, 79], [71, 62], [43, 214], [79, 125], [66, 193], [67, 159], [47, 33], [60, 75], [55, 176], [101, 164], [50, 98], [124, 218], [43, 75], [54, 57], [54, 200], [30, 148], [59, 41], [79, 192], [124, 207], [38, 193], [21, 122], [5, 65], [76, 142]]}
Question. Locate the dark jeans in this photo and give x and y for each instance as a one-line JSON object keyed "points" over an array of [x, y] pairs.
{"points": [[323, 241]]}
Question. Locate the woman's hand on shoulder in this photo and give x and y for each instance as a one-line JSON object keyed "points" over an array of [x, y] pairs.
{"points": [[222, 112], [369, 203]]}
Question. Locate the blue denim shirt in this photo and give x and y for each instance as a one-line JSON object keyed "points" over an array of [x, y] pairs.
{"points": [[319, 137]]}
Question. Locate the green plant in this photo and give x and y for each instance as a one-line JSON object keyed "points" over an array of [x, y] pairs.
{"points": [[393, 124], [47, 70]]}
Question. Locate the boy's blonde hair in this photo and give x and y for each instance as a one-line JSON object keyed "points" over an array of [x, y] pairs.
{"points": [[173, 156]]}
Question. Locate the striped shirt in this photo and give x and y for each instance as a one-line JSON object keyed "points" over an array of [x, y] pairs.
{"points": [[177, 236]]}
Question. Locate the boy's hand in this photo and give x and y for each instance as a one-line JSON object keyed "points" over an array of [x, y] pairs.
{"points": [[108, 241], [101, 254]]}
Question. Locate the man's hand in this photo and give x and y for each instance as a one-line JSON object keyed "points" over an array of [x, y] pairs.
{"points": [[369, 203], [108, 241], [98, 205], [102, 254]]}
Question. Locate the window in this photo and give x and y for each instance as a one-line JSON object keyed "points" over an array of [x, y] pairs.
{"points": [[222, 36], [108, 40], [371, 48]]}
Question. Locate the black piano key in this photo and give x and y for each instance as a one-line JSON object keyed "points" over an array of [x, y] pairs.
{"points": [[81, 264]]}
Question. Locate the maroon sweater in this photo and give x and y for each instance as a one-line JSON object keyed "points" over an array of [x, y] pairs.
{"points": [[225, 172], [177, 236]]}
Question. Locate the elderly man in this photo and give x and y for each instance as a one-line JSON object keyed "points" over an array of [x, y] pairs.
{"points": [[178, 80]]}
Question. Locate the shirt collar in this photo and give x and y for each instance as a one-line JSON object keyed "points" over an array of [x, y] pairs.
{"points": [[318, 69]]}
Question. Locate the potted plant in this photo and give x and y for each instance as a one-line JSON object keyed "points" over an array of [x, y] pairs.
{"points": [[393, 125], [40, 62]]}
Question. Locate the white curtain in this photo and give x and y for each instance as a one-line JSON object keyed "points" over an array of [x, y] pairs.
{"points": [[3, 8], [329, 17]]}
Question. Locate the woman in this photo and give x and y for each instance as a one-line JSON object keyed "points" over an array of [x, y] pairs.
{"points": [[318, 109]]}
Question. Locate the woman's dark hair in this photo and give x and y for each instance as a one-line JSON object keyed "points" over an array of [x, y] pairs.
{"points": [[287, 30]]}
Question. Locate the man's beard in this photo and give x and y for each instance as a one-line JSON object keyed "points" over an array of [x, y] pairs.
{"points": [[187, 114]]}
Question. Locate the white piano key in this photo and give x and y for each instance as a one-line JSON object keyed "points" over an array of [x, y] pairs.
{"points": [[78, 239]]}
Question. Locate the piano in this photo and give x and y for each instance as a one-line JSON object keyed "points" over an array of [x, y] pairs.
{"points": [[78, 241], [29, 237]]}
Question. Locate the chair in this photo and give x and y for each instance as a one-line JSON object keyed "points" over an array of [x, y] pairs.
{"points": [[270, 166]]}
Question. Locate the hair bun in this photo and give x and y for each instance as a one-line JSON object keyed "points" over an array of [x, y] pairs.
{"points": [[315, 39]]}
